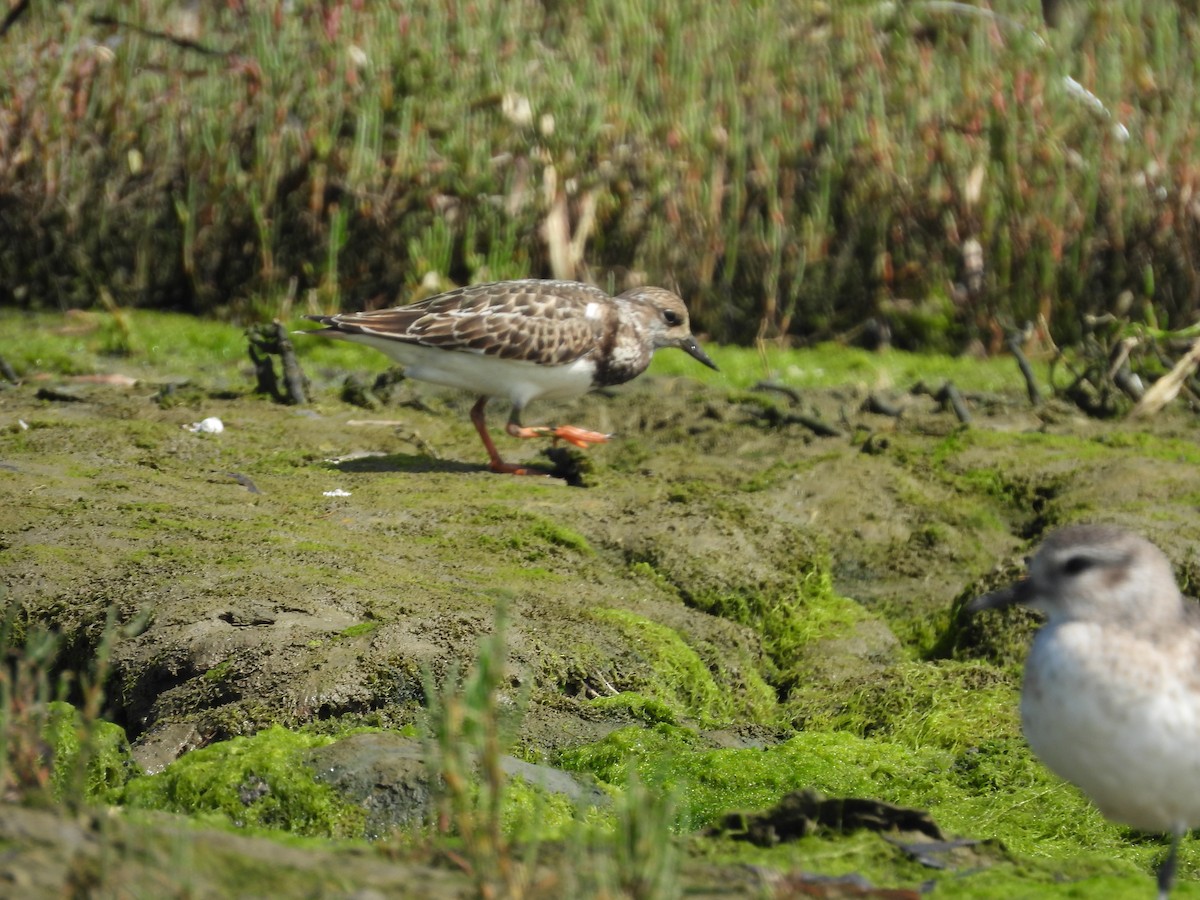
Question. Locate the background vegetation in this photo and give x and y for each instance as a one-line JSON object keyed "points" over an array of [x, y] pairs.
{"points": [[794, 167]]}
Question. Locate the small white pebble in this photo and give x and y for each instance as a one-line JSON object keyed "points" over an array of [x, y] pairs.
{"points": [[338, 492], [211, 425], [516, 109]]}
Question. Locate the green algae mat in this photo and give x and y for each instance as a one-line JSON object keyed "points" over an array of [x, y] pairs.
{"points": [[733, 608]]}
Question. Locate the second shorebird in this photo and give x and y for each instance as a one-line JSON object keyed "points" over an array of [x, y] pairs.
{"points": [[525, 340], [1111, 699]]}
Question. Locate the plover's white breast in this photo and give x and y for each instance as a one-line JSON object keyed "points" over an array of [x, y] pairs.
{"points": [[1111, 699], [1119, 716]]}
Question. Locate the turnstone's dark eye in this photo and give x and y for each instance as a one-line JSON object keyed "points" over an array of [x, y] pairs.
{"points": [[1077, 564], [672, 318]]}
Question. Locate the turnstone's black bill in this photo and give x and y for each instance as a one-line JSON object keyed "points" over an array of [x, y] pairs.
{"points": [[1111, 699], [524, 340]]}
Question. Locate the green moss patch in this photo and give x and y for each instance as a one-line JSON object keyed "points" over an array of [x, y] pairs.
{"points": [[90, 762], [683, 684], [788, 621], [256, 782]]}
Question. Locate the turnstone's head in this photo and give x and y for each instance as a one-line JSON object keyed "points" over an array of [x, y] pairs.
{"points": [[1095, 573], [666, 321]]}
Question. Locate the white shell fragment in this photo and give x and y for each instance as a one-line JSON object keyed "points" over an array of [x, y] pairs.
{"points": [[211, 425]]}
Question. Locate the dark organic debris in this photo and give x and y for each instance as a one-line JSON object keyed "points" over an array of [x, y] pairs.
{"points": [[244, 481], [182, 43], [790, 392], [807, 812], [7, 372], [265, 342], [947, 396], [570, 465], [875, 444], [1113, 363], [253, 790], [812, 422], [1122, 374], [13, 14], [778, 418], [58, 395], [881, 407], [386, 383], [356, 393], [247, 618], [1031, 388]]}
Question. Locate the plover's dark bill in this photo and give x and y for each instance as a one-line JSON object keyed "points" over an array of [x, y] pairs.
{"points": [[525, 340], [1111, 696]]}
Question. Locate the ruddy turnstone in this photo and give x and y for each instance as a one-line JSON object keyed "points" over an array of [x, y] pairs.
{"points": [[525, 340], [1111, 698]]}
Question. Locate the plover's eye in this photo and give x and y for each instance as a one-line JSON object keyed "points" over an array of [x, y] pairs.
{"points": [[672, 318], [1077, 564]]}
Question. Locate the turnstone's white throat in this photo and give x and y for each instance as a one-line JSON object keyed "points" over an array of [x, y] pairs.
{"points": [[525, 340], [1111, 698]]}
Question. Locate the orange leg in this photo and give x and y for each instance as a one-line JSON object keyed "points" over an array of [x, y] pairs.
{"points": [[495, 462]]}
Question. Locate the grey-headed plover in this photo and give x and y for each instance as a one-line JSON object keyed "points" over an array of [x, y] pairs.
{"points": [[525, 340], [1111, 695]]}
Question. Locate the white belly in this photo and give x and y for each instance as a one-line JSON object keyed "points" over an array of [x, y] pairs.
{"points": [[488, 376], [1118, 718]]}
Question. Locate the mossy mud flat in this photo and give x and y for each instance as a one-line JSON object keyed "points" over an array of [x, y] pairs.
{"points": [[731, 609]]}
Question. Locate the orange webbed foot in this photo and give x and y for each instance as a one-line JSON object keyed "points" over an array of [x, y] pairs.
{"points": [[580, 437]]}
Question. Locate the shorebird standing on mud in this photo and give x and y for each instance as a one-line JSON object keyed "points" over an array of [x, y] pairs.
{"points": [[525, 340], [1111, 697]]}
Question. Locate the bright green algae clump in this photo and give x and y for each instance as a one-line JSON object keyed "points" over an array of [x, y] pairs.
{"points": [[683, 683], [257, 782], [90, 762]]}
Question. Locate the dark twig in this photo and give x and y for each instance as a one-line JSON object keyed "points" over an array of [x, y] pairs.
{"points": [[1121, 373], [13, 14], [264, 369], [180, 42], [113, 22], [293, 375], [817, 426], [876, 404], [8, 372], [58, 395], [266, 341], [789, 392], [949, 395], [1031, 388], [1129, 383], [244, 481], [779, 418]]}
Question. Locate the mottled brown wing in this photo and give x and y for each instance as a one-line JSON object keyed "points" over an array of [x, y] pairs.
{"points": [[547, 322]]}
